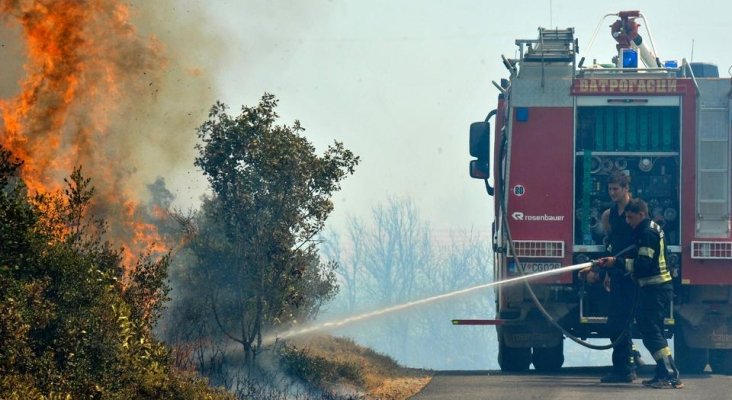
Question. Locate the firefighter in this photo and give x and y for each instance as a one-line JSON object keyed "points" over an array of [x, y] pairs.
{"points": [[622, 289], [647, 266]]}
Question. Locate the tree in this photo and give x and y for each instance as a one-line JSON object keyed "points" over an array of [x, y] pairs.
{"points": [[383, 260], [396, 252], [394, 258], [350, 262], [387, 259], [68, 327], [257, 260]]}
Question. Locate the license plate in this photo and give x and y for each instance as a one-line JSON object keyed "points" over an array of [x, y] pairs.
{"points": [[532, 267]]}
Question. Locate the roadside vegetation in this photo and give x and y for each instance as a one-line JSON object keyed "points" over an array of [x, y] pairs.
{"points": [[78, 319], [72, 325], [338, 365]]}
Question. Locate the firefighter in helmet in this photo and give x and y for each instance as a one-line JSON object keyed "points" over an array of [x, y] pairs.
{"points": [[646, 264]]}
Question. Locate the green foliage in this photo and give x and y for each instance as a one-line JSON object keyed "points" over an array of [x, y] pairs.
{"points": [[148, 291], [258, 169], [68, 328], [272, 172], [256, 263]]}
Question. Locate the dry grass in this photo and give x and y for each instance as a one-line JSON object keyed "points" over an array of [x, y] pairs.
{"points": [[379, 376]]}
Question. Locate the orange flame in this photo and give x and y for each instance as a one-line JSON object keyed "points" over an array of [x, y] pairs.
{"points": [[85, 67]]}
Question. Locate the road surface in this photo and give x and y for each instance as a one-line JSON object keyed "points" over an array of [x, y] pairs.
{"points": [[569, 384]]}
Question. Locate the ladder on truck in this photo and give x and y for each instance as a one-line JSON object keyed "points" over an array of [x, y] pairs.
{"points": [[553, 45], [713, 163]]}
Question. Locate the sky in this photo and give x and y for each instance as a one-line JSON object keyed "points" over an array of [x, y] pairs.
{"points": [[400, 81]]}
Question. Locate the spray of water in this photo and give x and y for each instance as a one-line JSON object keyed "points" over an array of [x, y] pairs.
{"points": [[269, 339]]}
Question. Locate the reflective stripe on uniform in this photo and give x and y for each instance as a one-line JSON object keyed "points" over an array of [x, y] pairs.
{"points": [[660, 354], [629, 265], [646, 251], [662, 259], [654, 280]]}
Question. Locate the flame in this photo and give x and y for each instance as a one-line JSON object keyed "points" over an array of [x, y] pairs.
{"points": [[86, 68]]}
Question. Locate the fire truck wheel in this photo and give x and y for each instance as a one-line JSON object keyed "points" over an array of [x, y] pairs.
{"points": [[513, 359], [690, 360], [721, 361], [548, 359]]}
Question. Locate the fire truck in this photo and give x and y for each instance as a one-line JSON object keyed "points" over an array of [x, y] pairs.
{"points": [[562, 126]]}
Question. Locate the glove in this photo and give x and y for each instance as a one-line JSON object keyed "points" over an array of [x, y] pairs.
{"points": [[605, 262], [588, 274]]}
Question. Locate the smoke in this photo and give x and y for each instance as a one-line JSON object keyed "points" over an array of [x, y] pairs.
{"points": [[164, 130], [117, 88], [12, 53]]}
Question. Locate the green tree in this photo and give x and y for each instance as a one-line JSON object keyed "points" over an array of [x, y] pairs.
{"points": [[68, 327], [258, 262]]}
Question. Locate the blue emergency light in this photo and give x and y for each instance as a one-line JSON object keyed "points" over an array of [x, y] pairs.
{"points": [[630, 58]]}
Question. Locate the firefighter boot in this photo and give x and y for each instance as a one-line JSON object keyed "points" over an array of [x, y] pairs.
{"points": [[623, 369], [615, 377], [660, 374], [671, 380]]}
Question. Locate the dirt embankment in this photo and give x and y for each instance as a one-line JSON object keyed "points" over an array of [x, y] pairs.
{"points": [[376, 376]]}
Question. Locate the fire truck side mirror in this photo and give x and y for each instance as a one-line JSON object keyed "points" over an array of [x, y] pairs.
{"points": [[480, 148], [480, 169], [480, 140]]}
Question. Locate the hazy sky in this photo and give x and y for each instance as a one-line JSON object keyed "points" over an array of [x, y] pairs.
{"points": [[399, 81]]}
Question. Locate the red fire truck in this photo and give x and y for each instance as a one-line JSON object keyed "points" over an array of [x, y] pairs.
{"points": [[561, 128]]}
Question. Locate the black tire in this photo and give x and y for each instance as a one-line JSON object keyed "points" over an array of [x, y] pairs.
{"points": [[721, 361], [689, 360], [513, 359], [548, 359]]}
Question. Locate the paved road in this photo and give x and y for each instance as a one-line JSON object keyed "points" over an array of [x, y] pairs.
{"points": [[569, 384]]}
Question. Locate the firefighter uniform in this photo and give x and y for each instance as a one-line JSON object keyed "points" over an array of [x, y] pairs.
{"points": [[648, 268], [623, 293]]}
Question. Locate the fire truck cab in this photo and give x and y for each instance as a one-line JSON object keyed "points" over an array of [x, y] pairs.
{"points": [[561, 128]]}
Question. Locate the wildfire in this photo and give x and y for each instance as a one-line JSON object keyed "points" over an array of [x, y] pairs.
{"points": [[86, 68]]}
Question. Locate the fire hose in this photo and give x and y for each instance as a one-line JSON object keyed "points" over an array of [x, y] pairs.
{"points": [[551, 319], [504, 213]]}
